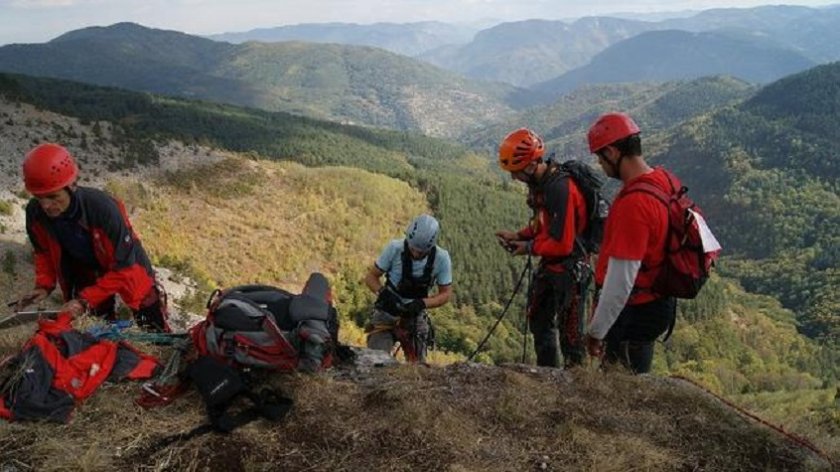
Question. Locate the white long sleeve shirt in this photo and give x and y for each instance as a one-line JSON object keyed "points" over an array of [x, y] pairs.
{"points": [[618, 284]]}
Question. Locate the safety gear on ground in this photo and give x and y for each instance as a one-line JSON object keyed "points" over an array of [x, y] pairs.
{"points": [[520, 148], [270, 328], [422, 233], [48, 168], [609, 128], [60, 367]]}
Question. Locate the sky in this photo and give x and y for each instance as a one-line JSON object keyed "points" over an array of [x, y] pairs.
{"points": [[35, 21]]}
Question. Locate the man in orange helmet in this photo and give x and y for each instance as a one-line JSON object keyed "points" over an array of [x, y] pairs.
{"points": [[84, 242], [560, 216], [629, 315]]}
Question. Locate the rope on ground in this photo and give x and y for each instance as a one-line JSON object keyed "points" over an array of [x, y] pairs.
{"points": [[798, 440]]}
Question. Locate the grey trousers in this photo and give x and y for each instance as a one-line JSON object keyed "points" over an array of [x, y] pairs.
{"points": [[411, 333]]}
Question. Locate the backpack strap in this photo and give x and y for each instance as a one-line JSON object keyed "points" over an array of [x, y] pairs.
{"points": [[408, 266], [650, 189], [661, 196], [555, 188]]}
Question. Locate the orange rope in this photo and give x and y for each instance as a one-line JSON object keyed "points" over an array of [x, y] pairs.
{"points": [[800, 441]]}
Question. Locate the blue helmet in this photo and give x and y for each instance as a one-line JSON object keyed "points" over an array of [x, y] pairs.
{"points": [[421, 233]]}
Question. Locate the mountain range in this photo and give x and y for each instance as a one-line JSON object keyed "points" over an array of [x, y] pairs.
{"points": [[658, 56], [351, 84], [408, 39], [528, 52]]}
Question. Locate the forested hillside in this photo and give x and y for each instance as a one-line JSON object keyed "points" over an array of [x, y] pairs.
{"points": [[659, 56], [524, 53], [353, 84], [280, 220], [657, 107], [458, 184], [528, 52], [408, 39], [768, 169]]}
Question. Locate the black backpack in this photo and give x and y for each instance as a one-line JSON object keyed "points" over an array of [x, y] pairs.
{"points": [[267, 327], [590, 184]]}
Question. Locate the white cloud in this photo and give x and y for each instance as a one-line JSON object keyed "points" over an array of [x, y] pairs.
{"points": [[40, 4], [54, 17]]}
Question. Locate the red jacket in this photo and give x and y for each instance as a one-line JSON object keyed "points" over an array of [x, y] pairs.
{"points": [[123, 263], [66, 367], [560, 216]]}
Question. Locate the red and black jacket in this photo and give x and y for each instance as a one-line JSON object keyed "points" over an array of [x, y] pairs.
{"points": [[559, 217], [124, 268], [62, 367]]}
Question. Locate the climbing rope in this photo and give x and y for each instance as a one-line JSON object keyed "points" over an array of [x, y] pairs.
{"points": [[526, 270], [800, 441]]}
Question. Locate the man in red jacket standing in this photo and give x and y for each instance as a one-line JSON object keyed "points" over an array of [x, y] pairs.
{"points": [[555, 305], [629, 315], [84, 242]]}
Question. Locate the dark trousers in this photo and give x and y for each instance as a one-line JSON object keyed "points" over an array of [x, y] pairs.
{"points": [[631, 339], [556, 311]]}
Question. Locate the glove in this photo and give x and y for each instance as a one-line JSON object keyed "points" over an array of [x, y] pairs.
{"points": [[388, 300], [414, 307]]}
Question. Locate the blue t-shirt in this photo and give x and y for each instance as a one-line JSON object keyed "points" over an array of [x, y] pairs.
{"points": [[390, 262]]}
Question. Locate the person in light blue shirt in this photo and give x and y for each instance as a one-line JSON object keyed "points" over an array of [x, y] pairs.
{"points": [[399, 313]]}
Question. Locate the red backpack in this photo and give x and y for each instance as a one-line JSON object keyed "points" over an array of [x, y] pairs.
{"points": [[270, 328], [687, 264]]}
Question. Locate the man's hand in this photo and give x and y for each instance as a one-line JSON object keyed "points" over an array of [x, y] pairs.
{"points": [[595, 347], [507, 236], [415, 307], [37, 295], [74, 307], [520, 248], [388, 297]]}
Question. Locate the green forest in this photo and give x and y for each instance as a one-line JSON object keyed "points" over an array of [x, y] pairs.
{"points": [[776, 215], [768, 167]]}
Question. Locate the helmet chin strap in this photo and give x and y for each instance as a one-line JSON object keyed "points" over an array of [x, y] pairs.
{"points": [[616, 167], [532, 177]]}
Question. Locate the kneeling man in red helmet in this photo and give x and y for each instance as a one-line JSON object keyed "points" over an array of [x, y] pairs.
{"points": [[84, 243]]}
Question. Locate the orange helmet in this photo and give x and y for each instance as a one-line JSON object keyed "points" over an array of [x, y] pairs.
{"points": [[47, 168], [519, 149], [609, 128]]}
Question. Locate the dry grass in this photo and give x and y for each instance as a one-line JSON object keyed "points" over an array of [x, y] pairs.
{"points": [[462, 417]]}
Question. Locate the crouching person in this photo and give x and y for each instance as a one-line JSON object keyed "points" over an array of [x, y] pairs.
{"points": [[84, 243], [411, 267]]}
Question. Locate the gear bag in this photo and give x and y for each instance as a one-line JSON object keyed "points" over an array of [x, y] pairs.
{"points": [[597, 208], [267, 327], [687, 263], [221, 384]]}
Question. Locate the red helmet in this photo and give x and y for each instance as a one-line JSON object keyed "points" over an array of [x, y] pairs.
{"points": [[609, 128], [47, 168], [519, 149]]}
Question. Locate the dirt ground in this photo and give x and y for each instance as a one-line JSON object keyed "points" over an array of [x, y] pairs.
{"points": [[461, 417]]}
